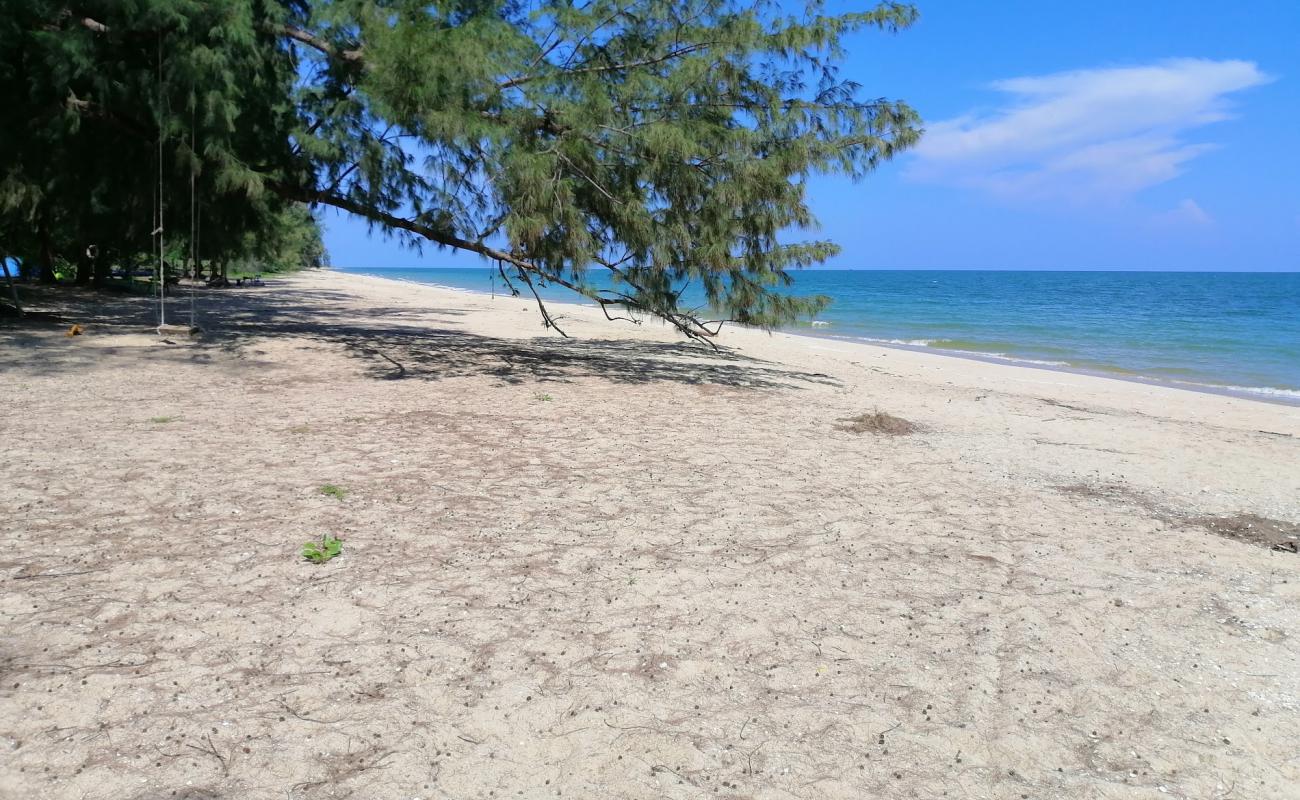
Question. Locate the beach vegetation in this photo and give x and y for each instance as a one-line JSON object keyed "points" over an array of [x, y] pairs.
{"points": [[319, 552], [666, 142], [330, 490]]}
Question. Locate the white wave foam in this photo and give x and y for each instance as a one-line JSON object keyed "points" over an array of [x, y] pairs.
{"points": [[1009, 358], [931, 343], [1265, 391], [908, 342]]}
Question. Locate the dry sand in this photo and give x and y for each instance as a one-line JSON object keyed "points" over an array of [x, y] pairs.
{"points": [[621, 567]]}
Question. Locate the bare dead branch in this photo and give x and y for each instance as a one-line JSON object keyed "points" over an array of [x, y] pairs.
{"points": [[211, 750], [547, 319]]}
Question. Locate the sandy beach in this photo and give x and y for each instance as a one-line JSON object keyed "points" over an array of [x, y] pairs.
{"points": [[621, 565]]}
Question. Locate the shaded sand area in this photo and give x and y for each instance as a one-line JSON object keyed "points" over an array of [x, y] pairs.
{"points": [[620, 566]]}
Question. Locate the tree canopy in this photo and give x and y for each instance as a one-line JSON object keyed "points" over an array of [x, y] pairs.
{"points": [[668, 141]]}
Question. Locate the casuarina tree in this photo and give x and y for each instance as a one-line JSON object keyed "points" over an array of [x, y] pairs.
{"points": [[668, 142]]}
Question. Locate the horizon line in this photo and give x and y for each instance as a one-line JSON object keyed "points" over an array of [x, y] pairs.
{"points": [[1165, 270]]}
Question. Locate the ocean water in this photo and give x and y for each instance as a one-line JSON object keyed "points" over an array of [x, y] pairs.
{"points": [[1217, 330]]}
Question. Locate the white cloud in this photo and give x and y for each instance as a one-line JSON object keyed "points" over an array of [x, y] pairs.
{"points": [[1187, 214], [1085, 135]]}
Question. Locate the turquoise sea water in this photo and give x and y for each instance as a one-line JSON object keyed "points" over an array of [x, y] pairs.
{"points": [[1237, 331]]}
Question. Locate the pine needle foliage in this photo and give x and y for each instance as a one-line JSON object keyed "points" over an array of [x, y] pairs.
{"points": [[110, 104], [666, 141]]}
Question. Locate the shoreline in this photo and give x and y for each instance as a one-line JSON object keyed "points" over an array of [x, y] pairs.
{"points": [[1272, 395], [1263, 394]]}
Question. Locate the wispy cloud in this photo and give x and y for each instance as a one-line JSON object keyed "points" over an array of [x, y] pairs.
{"points": [[1085, 135], [1186, 214]]}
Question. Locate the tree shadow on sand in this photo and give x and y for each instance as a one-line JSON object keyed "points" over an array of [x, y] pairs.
{"points": [[394, 343]]}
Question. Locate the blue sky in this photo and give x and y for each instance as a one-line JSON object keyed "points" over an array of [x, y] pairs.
{"points": [[1160, 134]]}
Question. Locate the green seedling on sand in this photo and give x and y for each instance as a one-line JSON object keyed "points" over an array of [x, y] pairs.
{"points": [[162, 420], [322, 551], [337, 492], [543, 397]]}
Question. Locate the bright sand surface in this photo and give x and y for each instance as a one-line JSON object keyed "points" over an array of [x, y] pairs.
{"points": [[620, 566]]}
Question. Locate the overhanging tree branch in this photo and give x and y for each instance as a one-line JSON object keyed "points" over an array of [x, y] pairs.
{"points": [[677, 53], [686, 323], [315, 42], [680, 133]]}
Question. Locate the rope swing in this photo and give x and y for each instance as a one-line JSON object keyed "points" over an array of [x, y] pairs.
{"points": [[163, 328]]}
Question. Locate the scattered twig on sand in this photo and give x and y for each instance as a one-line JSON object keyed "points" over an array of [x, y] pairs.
{"points": [[1059, 404], [749, 758], [744, 725], [55, 574], [401, 370], [628, 727], [290, 709], [211, 750], [288, 793], [665, 768]]}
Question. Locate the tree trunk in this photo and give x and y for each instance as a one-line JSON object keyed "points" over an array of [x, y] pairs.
{"points": [[101, 270], [47, 257], [85, 269]]}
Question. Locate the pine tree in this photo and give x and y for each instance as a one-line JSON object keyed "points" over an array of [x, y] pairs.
{"points": [[115, 105], [667, 141]]}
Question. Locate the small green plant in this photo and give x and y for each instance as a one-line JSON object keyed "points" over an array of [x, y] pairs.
{"points": [[322, 551], [162, 420], [337, 492], [543, 397]]}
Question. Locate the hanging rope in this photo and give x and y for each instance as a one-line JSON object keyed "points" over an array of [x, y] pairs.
{"points": [[152, 238], [194, 217], [162, 272]]}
